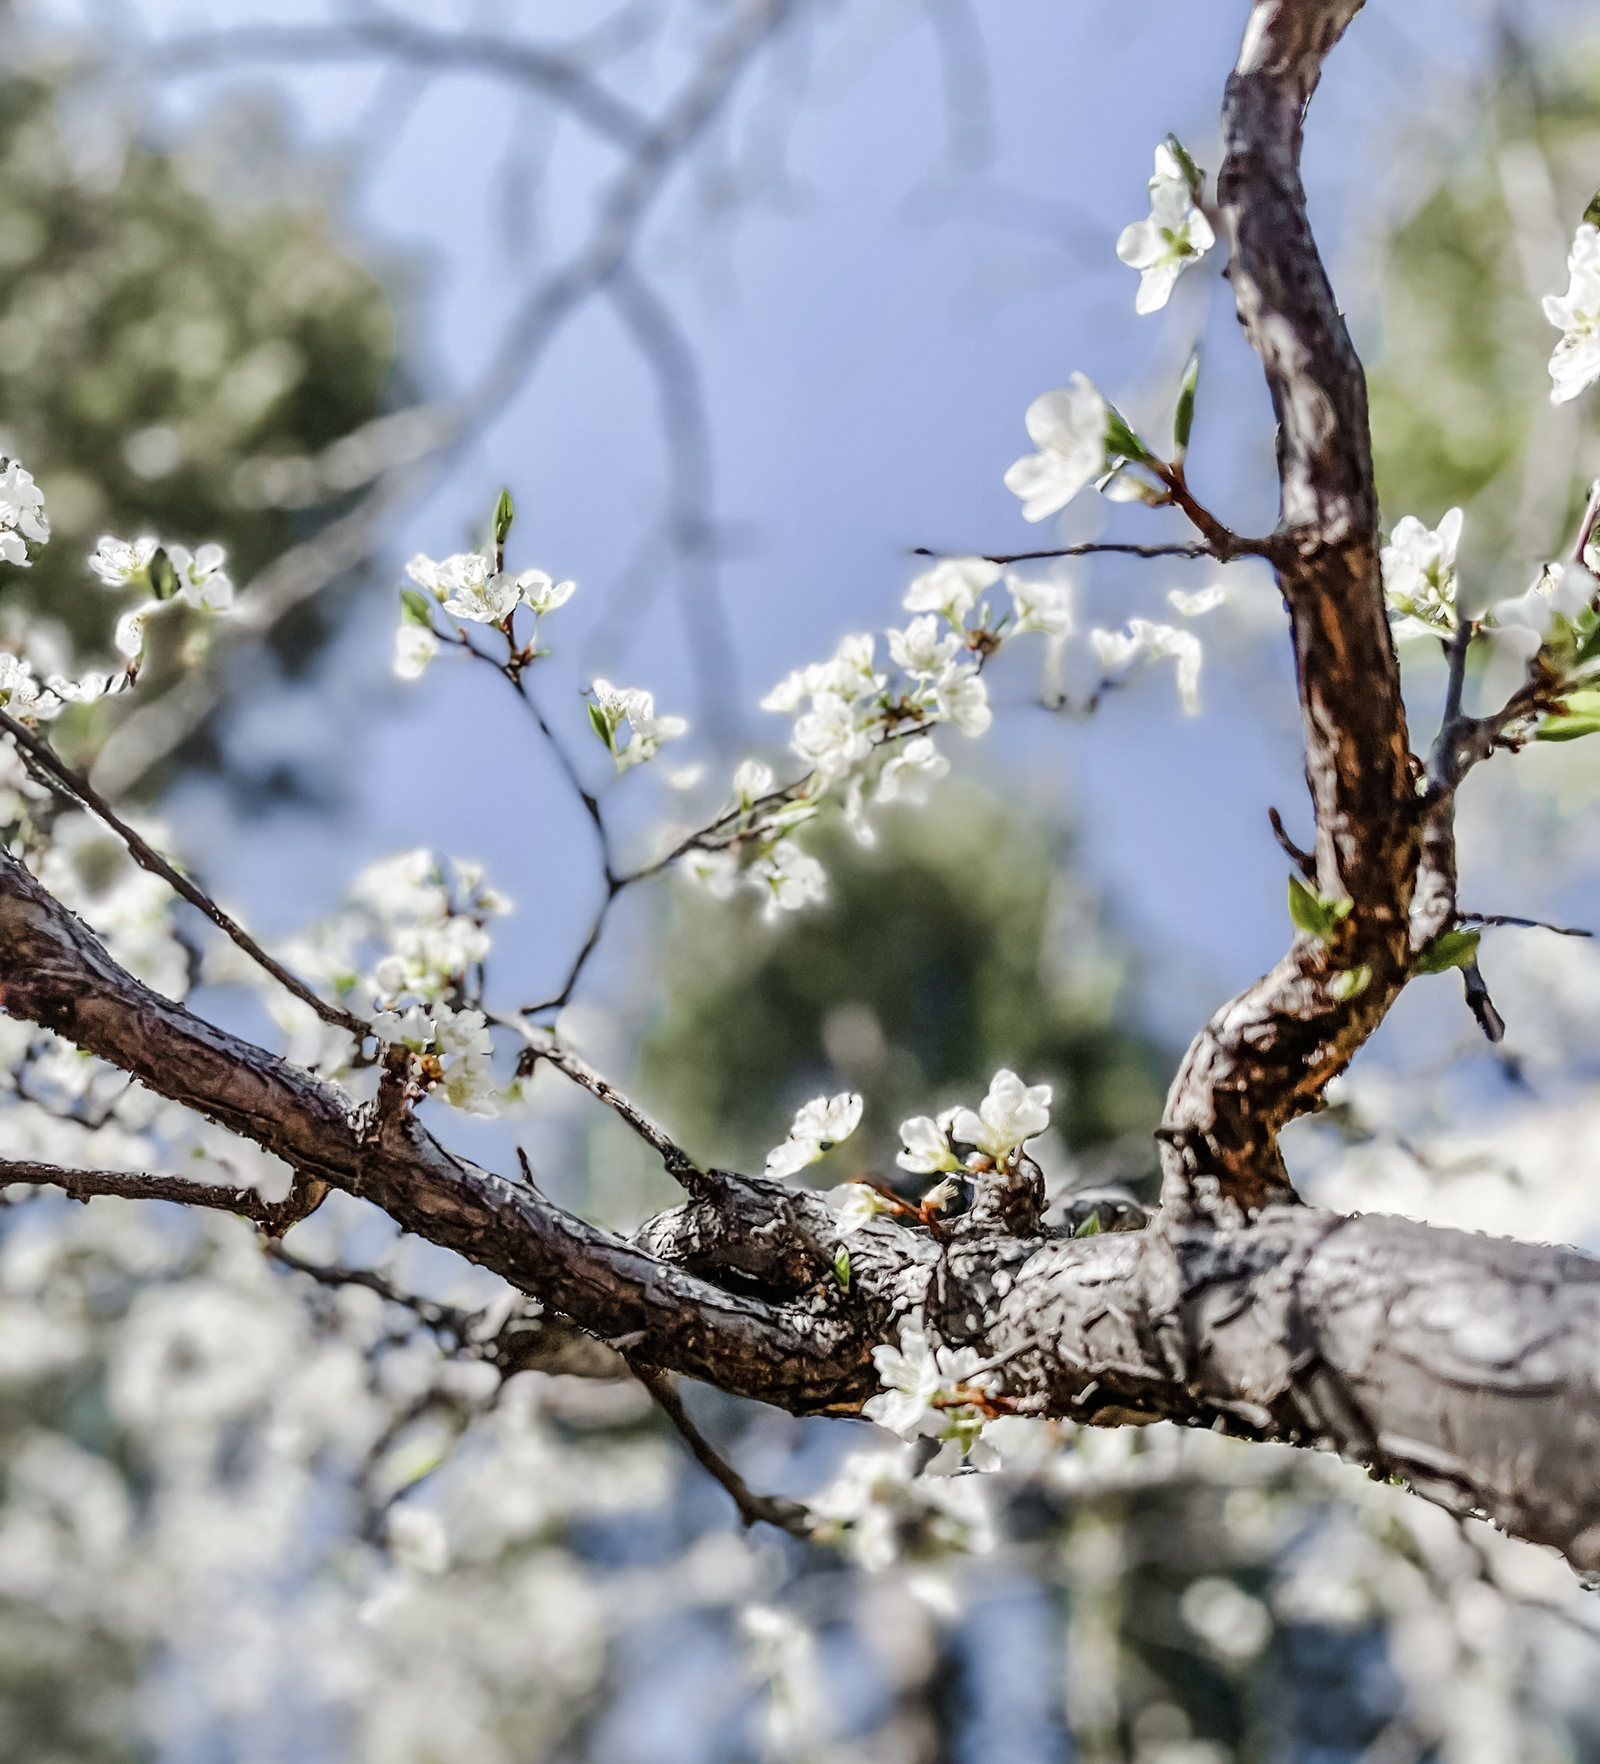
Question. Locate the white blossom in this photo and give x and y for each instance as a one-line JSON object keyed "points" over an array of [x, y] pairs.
{"points": [[1419, 576], [1011, 1113], [926, 1144], [715, 871], [1203, 600], [20, 692], [1119, 652], [857, 1204], [1068, 426], [920, 650], [637, 708], [129, 633], [962, 698], [1575, 362], [411, 1028], [202, 581], [921, 1386], [414, 647], [464, 1045], [819, 1126], [1563, 590], [1175, 235], [539, 593], [1041, 605], [22, 514], [790, 877], [908, 773], [953, 585], [751, 781], [121, 563], [830, 736]]}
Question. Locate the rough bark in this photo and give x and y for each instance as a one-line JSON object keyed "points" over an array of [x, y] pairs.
{"points": [[1467, 1366]]}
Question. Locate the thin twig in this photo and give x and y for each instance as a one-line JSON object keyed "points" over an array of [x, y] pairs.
{"points": [[680, 1166], [246, 1203], [427, 1311], [1524, 924], [1011, 557], [778, 1510], [72, 785], [1303, 860]]}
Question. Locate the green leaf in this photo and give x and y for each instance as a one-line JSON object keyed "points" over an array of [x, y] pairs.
{"points": [[1121, 442], [163, 577], [1579, 715], [597, 722], [1450, 949], [415, 608], [1193, 175], [841, 1268], [1592, 213], [1090, 1227], [1316, 914], [504, 515], [1183, 417], [1350, 984], [1589, 631]]}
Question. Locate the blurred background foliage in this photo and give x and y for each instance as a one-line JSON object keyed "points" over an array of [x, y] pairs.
{"points": [[961, 942], [164, 350], [1459, 392]]}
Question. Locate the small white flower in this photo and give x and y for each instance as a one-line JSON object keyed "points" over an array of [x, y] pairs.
{"points": [[1011, 1113], [20, 692], [1563, 589], [1575, 363], [414, 647], [1419, 576], [129, 634], [121, 564], [953, 585], [927, 1145], [411, 1028], [715, 871], [922, 1387], [22, 513], [85, 691], [819, 1126], [1204, 600], [539, 593], [789, 877], [1068, 426], [1120, 652], [909, 772], [829, 736], [1175, 235], [464, 1045], [920, 650], [202, 582], [1043, 605], [857, 1204], [636, 708], [960, 697], [751, 781]]}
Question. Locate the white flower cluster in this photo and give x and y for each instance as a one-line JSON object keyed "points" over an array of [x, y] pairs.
{"points": [[1575, 362], [1121, 653], [451, 1052], [940, 1393], [864, 734], [615, 706], [163, 572], [1176, 234], [435, 925], [881, 1510], [1010, 1115], [22, 515], [1419, 576], [467, 586], [819, 1126]]}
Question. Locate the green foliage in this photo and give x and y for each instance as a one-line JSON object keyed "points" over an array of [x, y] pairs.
{"points": [[1579, 716], [161, 359], [1349, 984], [1450, 949], [1183, 417], [841, 1268], [1461, 381], [953, 948], [1317, 914], [1121, 442], [504, 515]]}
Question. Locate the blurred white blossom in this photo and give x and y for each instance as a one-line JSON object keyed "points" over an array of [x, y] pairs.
{"points": [[818, 1127], [1069, 428], [1575, 362]]}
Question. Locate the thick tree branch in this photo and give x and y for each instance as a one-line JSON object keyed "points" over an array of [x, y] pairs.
{"points": [[1268, 1054], [1470, 1367]]}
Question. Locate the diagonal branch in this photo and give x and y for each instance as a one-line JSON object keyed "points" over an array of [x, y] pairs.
{"points": [[41, 759], [81, 1185]]}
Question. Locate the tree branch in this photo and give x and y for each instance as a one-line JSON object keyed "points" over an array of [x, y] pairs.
{"points": [[81, 1185]]}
